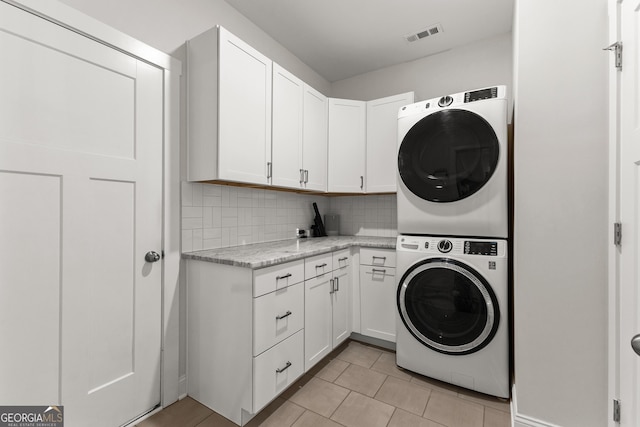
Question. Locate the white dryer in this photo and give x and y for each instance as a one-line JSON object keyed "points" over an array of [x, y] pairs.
{"points": [[452, 311], [452, 165]]}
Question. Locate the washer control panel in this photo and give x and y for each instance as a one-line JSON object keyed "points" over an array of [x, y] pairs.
{"points": [[480, 94], [445, 246], [452, 246], [473, 247]]}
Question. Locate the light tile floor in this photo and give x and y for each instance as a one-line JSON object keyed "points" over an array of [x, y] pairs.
{"points": [[356, 386]]}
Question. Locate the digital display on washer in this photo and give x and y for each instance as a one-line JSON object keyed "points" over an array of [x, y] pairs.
{"points": [[477, 95], [480, 248]]}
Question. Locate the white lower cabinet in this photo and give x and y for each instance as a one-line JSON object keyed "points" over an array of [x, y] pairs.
{"points": [[327, 304], [245, 335], [252, 333], [378, 294]]}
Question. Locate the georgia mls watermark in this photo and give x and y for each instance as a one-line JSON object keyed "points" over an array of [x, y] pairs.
{"points": [[31, 416]]}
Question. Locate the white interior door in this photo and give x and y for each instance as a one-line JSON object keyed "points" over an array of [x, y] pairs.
{"points": [[80, 205], [629, 273]]}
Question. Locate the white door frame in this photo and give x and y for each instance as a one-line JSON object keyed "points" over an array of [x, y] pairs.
{"points": [[613, 371], [70, 18]]}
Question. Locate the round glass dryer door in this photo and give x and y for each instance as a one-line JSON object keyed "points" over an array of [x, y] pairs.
{"points": [[448, 155], [448, 306]]}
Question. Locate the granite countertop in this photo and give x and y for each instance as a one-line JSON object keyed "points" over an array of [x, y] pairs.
{"points": [[260, 255]]}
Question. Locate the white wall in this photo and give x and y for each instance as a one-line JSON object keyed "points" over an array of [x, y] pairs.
{"points": [[480, 64], [561, 210], [167, 24]]}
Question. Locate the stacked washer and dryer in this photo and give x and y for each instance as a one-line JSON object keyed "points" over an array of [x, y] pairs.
{"points": [[452, 316]]}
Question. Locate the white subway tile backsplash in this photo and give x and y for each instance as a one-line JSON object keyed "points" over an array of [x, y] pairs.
{"points": [[196, 198], [215, 216], [187, 194], [191, 223], [192, 212]]}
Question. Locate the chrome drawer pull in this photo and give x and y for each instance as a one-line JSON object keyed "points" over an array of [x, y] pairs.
{"points": [[380, 257], [281, 370], [343, 259], [337, 284], [283, 277], [321, 265], [287, 314], [375, 270], [333, 286]]}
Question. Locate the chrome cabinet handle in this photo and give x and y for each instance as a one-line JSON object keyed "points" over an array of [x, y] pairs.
{"points": [[283, 277], [361, 182], [287, 314], [321, 265], [343, 259], [376, 270], [152, 256], [306, 176], [333, 286], [281, 370], [337, 279], [301, 176], [384, 258], [269, 170]]}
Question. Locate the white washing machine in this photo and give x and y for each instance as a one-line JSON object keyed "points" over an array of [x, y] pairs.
{"points": [[452, 165], [452, 311]]}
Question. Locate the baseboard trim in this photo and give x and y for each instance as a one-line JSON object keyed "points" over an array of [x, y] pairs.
{"points": [[525, 421], [373, 341], [520, 420]]}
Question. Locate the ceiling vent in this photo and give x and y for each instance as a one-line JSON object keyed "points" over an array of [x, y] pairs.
{"points": [[431, 30]]}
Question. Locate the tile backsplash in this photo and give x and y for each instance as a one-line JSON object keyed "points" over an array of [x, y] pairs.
{"points": [[216, 216]]}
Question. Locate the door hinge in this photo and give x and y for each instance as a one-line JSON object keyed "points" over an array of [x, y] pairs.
{"points": [[616, 410], [617, 233], [617, 48]]}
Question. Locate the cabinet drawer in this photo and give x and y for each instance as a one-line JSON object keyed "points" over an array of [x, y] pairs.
{"points": [[341, 259], [279, 276], [318, 265], [378, 257], [276, 369], [276, 316]]}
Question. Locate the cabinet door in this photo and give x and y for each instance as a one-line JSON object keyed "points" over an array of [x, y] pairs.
{"points": [[347, 127], [287, 112], [317, 319], [244, 127], [382, 142], [341, 303], [314, 139], [378, 302]]}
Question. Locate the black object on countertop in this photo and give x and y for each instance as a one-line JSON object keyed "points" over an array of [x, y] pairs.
{"points": [[320, 231]]}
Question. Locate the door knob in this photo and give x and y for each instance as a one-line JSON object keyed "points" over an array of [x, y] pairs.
{"points": [[152, 256], [635, 344]]}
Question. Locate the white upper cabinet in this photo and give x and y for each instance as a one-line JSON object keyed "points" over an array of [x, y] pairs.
{"points": [[288, 95], [299, 145], [382, 142], [347, 134], [229, 90], [315, 129]]}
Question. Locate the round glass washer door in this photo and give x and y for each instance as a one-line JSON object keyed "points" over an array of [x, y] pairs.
{"points": [[448, 306], [448, 155]]}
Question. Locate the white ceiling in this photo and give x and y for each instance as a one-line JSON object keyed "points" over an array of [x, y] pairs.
{"points": [[343, 38]]}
